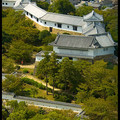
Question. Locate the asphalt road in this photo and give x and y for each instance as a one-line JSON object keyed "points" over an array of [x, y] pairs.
{"points": [[42, 104]]}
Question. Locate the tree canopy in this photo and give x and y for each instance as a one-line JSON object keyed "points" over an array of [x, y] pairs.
{"points": [[19, 51], [62, 6]]}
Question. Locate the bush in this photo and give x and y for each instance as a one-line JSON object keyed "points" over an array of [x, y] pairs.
{"points": [[25, 71], [64, 97], [37, 49], [34, 83], [17, 67], [31, 73]]}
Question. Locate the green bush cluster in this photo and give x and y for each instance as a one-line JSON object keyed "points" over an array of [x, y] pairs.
{"points": [[64, 97], [34, 83], [25, 71]]}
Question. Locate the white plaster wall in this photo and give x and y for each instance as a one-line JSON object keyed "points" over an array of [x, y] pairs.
{"points": [[100, 51], [38, 58], [56, 49], [71, 52], [9, 3], [52, 24]]}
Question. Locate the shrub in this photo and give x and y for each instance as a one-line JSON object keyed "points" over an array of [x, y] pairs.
{"points": [[25, 71], [34, 83], [17, 67], [64, 97]]}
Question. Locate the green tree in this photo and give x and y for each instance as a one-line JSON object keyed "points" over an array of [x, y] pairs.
{"points": [[62, 6], [98, 82], [28, 35], [19, 51], [20, 115], [7, 65], [53, 68], [67, 75], [83, 10], [42, 4], [48, 39], [6, 37], [99, 109], [43, 68], [13, 105], [12, 84], [34, 91]]}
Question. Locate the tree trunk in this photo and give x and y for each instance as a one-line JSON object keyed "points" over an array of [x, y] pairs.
{"points": [[53, 87], [46, 86]]}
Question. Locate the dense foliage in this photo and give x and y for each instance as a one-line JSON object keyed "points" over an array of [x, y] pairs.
{"points": [[21, 111], [59, 6], [87, 80], [42, 4]]}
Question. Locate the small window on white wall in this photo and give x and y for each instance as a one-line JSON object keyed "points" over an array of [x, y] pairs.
{"points": [[105, 49], [6, 3]]}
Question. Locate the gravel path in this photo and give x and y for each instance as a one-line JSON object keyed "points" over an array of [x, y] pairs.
{"points": [[40, 81]]}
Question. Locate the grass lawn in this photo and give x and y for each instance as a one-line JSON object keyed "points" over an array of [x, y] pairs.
{"points": [[40, 94]]}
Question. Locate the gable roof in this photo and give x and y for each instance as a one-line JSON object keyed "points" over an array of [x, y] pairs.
{"points": [[94, 29], [34, 10], [73, 42], [105, 39], [93, 16], [62, 18]]}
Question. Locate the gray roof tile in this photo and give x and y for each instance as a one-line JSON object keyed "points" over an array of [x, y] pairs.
{"points": [[34, 10], [61, 18], [104, 39], [73, 42], [93, 16]]}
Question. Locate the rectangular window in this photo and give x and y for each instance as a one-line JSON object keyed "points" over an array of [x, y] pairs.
{"points": [[105, 49], [50, 29], [45, 22], [67, 26], [3, 3], [37, 19], [75, 28], [27, 13], [59, 25], [6, 3], [31, 16], [55, 24], [70, 58], [59, 57]]}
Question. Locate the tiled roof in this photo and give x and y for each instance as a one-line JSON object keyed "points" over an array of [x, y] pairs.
{"points": [[34, 10], [94, 29], [61, 18], [104, 39], [73, 42], [93, 16], [42, 53]]}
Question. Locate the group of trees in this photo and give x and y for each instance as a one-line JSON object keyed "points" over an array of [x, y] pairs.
{"points": [[20, 37], [86, 81], [59, 74], [21, 111]]}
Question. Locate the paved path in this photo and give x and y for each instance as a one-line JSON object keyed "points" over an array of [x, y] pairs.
{"points": [[28, 66], [43, 104]]}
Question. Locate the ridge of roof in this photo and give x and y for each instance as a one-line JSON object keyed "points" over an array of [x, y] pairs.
{"points": [[37, 7], [64, 15], [88, 16]]}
